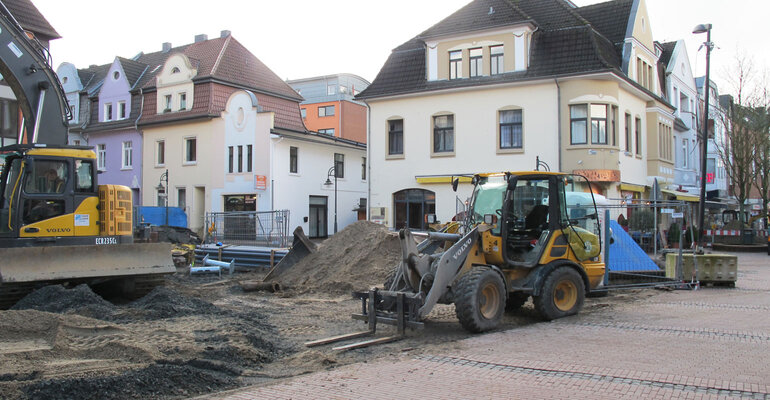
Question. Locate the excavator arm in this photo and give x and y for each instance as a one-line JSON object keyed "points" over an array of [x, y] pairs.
{"points": [[25, 66]]}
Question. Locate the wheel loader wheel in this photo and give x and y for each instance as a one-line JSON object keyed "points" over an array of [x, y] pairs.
{"points": [[515, 301], [562, 294], [480, 299]]}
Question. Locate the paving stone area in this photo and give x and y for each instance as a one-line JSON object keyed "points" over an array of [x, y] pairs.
{"points": [[712, 343]]}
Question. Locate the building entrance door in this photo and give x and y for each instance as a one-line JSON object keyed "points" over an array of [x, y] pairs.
{"points": [[318, 223]]}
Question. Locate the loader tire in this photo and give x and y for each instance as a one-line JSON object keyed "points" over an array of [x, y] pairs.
{"points": [[562, 294], [480, 299], [515, 301]]}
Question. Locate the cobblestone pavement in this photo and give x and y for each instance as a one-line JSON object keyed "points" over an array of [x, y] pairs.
{"points": [[712, 343]]}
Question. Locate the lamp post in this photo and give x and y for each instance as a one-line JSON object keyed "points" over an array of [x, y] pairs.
{"points": [[704, 28], [328, 182], [164, 178]]}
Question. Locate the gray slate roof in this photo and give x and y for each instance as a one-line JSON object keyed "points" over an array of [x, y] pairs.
{"points": [[30, 18], [568, 40]]}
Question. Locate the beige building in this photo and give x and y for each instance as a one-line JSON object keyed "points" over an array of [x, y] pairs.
{"points": [[504, 85]]}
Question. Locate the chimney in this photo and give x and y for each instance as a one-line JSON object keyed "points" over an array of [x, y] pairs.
{"points": [[166, 47], [224, 34], [201, 38]]}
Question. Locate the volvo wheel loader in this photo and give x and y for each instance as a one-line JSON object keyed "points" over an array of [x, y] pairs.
{"points": [[57, 224], [526, 234]]}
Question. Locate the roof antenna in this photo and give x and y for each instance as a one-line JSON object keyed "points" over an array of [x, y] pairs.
{"points": [[491, 10]]}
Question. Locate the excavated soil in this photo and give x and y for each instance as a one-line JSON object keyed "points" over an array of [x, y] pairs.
{"points": [[358, 257], [203, 334]]}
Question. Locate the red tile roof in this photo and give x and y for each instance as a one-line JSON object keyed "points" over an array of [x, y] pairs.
{"points": [[224, 65]]}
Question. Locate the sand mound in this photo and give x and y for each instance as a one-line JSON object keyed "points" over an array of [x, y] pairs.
{"points": [[356, 258]]}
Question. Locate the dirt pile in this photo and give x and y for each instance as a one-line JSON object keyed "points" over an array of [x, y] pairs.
{"points": [[60, 300], [70, 343], [356, 258]]}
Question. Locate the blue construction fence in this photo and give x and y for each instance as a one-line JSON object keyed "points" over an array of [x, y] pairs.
{"points": [[147, 215]]}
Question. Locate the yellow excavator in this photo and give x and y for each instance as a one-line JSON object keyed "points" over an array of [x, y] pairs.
{"points": [[526, 234], [57, 224]]}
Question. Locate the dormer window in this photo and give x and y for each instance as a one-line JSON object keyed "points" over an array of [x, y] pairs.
{"points": [[455, 64], [496, 60], [477, 64], [182, 101], [121, 110], [108, 112], [168, 103]]}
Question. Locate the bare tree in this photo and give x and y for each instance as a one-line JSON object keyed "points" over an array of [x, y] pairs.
{"points": [[737, 153], [745, 151]]}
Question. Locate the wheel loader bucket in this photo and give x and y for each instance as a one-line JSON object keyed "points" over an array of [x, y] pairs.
{"points": [[300, 248], [57, 263]]}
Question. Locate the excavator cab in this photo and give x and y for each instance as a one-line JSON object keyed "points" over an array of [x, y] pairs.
{"points": [[48, 192]]}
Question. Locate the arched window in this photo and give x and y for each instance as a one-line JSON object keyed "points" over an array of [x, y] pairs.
{"points": [[175, 70], [411, 206]]}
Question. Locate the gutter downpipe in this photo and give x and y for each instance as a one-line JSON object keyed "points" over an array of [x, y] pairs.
{"points": [[558, 119], [141, 170], [368, 160]]}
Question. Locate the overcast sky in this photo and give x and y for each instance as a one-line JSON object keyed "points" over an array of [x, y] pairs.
{"points": [[305, 38]]}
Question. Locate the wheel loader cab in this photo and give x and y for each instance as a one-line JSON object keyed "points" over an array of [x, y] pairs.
{"points": [[548, 213]]}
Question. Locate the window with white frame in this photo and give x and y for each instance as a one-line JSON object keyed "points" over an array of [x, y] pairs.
{"points": [[396, 136], [443, 134], [240, 158], [160, 151], [511, 129], [326, 111], [249, 158], [363, 168], [455, 64], [121, 110], [230, 158], [190, 150], [496, 60], [168, 100], [638, 136], [182, 101], [629, 146], [476, 62], [329, 132], [128, 155], [685, 153], [293, 159], [578, 115], [331, 89], [108, 112], [599, 123], [101, 157]]}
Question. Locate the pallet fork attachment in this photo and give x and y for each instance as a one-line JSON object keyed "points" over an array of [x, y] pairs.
{"points": [[401, 312]]}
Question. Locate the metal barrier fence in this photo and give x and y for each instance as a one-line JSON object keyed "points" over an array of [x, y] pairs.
{"points": [[643, 233], [249, 228]]}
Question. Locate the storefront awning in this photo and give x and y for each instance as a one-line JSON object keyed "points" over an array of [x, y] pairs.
{"points": [[441, 178], [682, 196], [632, 187]]}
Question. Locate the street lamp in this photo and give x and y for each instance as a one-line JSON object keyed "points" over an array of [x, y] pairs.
{"points": [[164, 178], [328, 182], [704, 28]]}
